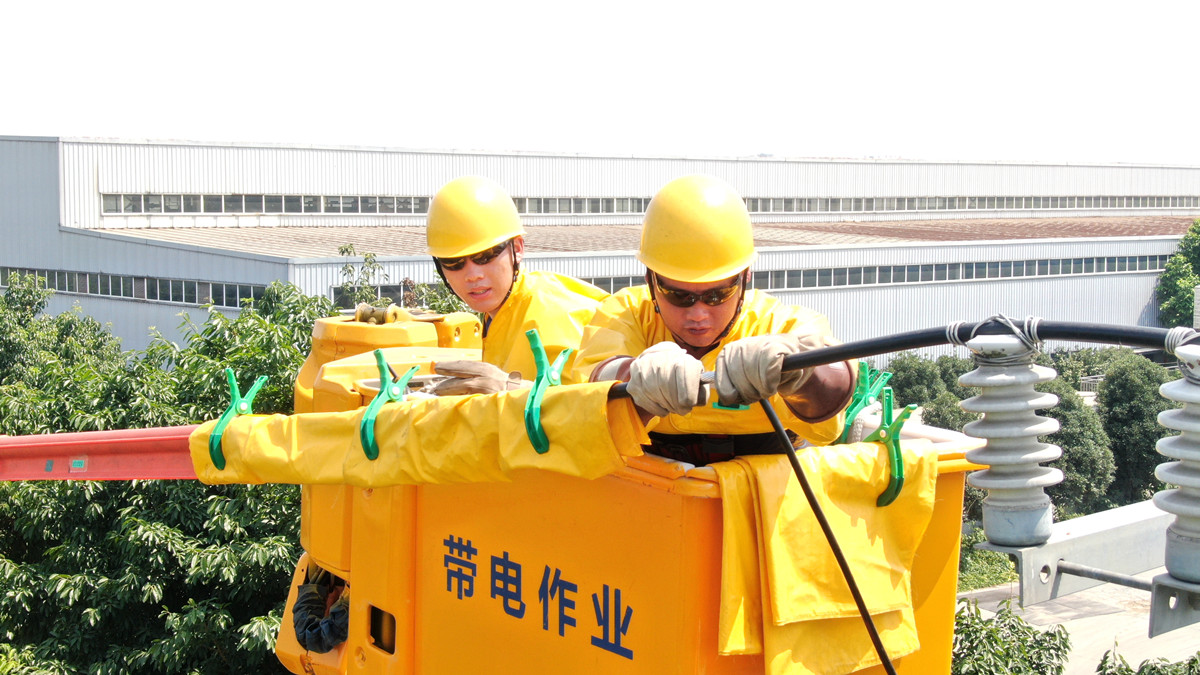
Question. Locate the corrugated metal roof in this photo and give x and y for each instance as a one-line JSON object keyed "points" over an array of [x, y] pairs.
{"points": [[323, 242]]}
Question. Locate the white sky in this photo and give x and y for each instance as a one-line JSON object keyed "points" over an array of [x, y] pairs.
{"points": [[1043, 81]]}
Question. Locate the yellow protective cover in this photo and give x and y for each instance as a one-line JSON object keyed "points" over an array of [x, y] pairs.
{"points": [[775, 556], [453, 439]]}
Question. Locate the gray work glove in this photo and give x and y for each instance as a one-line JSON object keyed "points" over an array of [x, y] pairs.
{"points": [[751, 369], [665, 379], [474, 377]]}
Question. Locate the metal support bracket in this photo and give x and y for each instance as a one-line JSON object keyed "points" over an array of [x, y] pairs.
{"points": [[1173, 604], [1122, 541]]}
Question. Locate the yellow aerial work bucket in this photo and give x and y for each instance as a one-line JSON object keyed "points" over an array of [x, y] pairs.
{"points": [[551, 574], [344, 346]]}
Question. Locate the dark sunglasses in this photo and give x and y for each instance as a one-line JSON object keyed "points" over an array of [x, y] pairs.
{"points": [[712, 297], [481, 258]]}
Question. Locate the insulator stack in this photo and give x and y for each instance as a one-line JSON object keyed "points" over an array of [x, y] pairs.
{"points": [[1183, 535], [1017, 511]]}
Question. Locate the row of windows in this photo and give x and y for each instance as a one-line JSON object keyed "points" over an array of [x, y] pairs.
{"points": [[142, 288], [911, 274], [114, 203], [124, 203], [870, 204], [262, 204]]}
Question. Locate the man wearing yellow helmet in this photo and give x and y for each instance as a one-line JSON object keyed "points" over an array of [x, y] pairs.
{"points": [[477, 242], [695, 313]]}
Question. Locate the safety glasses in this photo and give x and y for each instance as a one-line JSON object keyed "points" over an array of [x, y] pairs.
{"points": [[712, 297], [481, 258]]}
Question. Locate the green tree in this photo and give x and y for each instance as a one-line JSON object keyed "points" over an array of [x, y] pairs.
{"points": [[1176, 292], [143, 576], [945, 412], [1114, 664], [1005, 644], [915, 379], [1074, 364], [1176, 285], [361, 280], [1129, 404], [950, 368], [437, 297], [1087, 460]]}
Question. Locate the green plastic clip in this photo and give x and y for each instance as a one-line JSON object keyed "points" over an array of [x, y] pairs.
{"points": [[717, 404], [888, 434], [238, 405], [390, 390], [870, 383], [547, 376]]}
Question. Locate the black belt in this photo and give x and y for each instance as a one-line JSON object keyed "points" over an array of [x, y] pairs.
{"points": [[701, 449]]}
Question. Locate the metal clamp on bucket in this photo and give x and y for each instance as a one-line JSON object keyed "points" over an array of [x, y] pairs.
{"points": [[238, 405]]}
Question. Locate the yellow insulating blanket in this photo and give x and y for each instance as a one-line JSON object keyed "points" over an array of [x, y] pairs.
{"points": [[453, 439], [774, 555]]}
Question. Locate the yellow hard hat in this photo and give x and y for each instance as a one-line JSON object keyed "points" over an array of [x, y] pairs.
{"points": [[469, 215], [697, 230]]}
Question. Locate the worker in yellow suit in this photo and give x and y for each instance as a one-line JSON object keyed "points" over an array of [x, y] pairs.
{"points": [[475, 236], [696, 313]]}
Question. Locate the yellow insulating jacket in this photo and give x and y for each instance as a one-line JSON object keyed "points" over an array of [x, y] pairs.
{"points": [[626, 324], [558, 306], [782, 591], [453, 439]]}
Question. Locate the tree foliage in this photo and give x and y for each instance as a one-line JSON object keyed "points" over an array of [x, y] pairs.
{"points": [[1073, 365], [915, 379], [143, 576], [1087, 459], [1176, 285], [1129, 405], [1114, 664], [361, 280], [1005, 644]]}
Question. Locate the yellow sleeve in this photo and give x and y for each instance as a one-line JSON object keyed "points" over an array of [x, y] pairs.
{"points": [[558, 307], [615, 330]]}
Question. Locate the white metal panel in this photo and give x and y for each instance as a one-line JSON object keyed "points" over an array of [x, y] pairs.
{"points": [[95, 167], [29, 198], [809, 257]]}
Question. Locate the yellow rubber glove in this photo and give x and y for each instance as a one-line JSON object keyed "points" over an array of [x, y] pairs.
{"points": [[665, 379], [474, 377], [751, 369]]}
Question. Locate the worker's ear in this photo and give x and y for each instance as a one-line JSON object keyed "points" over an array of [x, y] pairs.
{"points": [[518, 245]]}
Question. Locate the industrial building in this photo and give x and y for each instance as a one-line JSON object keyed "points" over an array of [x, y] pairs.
{"points": [[136, 232]]}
